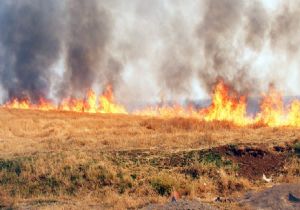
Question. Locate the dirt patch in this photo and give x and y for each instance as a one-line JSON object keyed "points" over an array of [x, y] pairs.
{"points": [[250, 162], [278, 197], [181, 204], [253, 162]]}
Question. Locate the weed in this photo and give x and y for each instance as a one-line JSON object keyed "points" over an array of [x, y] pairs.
{"points": [[297, 148], [11, 166], [162, 185]]}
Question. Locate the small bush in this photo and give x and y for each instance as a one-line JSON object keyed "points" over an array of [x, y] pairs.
{"points": [[162, 185], [192, 171], [297, 148], [13, 166]]}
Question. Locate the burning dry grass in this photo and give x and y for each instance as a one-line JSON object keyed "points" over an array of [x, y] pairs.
{"points": [[122, 161]]}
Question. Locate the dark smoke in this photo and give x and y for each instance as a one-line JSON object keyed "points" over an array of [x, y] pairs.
{"points": [[97, 40], [35, 33], [87, 38], [30, 39], [218, 35]]}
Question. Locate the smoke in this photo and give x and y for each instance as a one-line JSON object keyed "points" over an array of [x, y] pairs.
{"points": [[145, 49], [30, 39], [87, 41], [35, 33], [234, 35], [286, 29], [176, 67], [227, 29]]}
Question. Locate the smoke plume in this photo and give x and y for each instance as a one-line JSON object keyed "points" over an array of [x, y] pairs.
{"points": [[89, 32], [145, 48], [31, 42]]}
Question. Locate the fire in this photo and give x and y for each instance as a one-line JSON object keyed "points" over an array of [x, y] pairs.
{"points": [[91, 104], [226, 105], [18, 104], [293, 117], [226, 108], [272, 109], [107, 104]]}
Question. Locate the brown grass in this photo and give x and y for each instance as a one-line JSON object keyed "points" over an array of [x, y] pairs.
{"points": [[60, 160]]}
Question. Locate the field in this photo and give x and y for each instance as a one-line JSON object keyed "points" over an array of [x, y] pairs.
{"points": [[74, 160]]}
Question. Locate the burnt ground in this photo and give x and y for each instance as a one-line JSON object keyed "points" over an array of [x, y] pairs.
{"points": [[250, 161], [255, 161]]}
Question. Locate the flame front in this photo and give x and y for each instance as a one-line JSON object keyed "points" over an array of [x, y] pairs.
{"points": [[226, 105], [107, 104], [226, 108], [90, 104]]}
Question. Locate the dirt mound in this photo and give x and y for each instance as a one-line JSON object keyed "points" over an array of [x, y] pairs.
{"points": [[181, 204], [253, 162], [279, 197]]}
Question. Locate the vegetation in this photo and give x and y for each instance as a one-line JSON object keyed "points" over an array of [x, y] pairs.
{"points": [[107, 161]]}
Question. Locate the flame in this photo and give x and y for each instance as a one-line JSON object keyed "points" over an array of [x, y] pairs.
{"points": [[18, 104], [293, 117], [272, 109], [226, 105], [90, 104], [107, 104]]}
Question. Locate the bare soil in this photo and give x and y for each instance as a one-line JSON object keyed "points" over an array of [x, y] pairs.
{"points": [[255, 161]]}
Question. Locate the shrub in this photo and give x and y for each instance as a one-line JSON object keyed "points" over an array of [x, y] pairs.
{"points": [[297, 148], [162, 185]]}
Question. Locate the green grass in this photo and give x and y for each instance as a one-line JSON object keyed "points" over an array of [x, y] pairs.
{"points": [[297, 148]]}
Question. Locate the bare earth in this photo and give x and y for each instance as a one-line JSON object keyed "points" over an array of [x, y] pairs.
{"points": [[72, 160]]}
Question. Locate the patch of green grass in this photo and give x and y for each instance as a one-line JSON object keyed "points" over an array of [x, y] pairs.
{"points": [[297, 148], [13, 166], [211, 158]]}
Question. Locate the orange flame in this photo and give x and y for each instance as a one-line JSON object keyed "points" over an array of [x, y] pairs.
{"points": [[89, 105], [226, 106], [272, 109], [107, 104]]}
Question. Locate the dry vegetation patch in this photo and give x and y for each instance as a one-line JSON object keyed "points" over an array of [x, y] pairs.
{"points": [[120, 161]]}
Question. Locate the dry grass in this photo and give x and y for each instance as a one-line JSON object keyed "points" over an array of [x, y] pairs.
{"points": [[32, 131], [66, 160]]}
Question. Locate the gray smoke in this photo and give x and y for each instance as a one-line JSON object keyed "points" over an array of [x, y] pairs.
{"points": [[168, 44], [229, 27], [87, 58], [175, 69], [221, 34], [35, 33], [286, 29], [30, 39]]}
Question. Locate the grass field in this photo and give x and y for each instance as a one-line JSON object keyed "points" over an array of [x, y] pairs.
{"points": [[63, 159]]}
